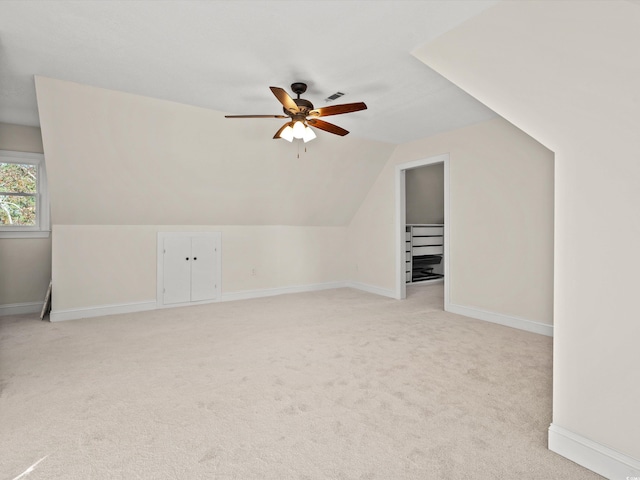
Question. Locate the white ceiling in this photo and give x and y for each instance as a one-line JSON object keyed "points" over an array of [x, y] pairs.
{"points": [[223, 55]]}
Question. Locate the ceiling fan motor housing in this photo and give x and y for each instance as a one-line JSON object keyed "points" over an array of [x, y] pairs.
{"points": [[305, 106]]}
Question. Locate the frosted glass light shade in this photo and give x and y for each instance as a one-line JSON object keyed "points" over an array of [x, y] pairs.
{"points": [[287, 134], [298, 129], [308, 135]]}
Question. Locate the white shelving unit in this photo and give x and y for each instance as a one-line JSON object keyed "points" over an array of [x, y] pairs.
{"points": [[424, 250]]}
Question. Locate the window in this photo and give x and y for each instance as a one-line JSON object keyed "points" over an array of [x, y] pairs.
{"points": [[24, 201]]}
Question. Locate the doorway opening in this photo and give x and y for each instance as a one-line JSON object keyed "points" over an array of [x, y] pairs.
{"points": [[431, 232]]}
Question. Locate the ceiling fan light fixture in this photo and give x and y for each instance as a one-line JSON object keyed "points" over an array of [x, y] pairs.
{"points": [[308, 135], [299, 110], [287, 134]]}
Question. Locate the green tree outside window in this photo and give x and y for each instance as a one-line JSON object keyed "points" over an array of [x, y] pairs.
{"points": [[18, 192]]}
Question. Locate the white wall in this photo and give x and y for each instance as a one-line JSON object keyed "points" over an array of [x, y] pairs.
{"points": [[119, 159], [122, 167], [111, 265], [501, 243], [567, 73], [25, 264]]}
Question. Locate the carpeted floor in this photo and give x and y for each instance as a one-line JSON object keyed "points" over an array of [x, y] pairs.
{"points": [[337, 384]]}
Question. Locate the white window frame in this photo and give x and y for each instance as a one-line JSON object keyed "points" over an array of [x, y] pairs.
{"points": [[42, 228]]}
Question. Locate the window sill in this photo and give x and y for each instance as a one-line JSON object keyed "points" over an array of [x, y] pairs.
{"points": [[27, 234]]}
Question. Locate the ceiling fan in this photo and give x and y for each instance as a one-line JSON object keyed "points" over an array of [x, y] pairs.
{"points": [[303, 115]]}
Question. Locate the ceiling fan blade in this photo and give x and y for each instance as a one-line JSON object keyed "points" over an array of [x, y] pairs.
{"points": [[338, 109], [277, 135], [284, 98], [255, 116], [327, 127]]}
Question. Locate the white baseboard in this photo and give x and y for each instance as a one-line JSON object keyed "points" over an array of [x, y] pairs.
{"points": [[509, 321], [99, 311], [385, 292], [270, 292], [592, 455], [20, 308]]}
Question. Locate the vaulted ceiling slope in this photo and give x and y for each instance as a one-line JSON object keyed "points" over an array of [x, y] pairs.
{"points": [[223, 55], [120, 159]]}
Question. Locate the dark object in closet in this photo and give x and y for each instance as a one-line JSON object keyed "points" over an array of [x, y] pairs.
{"points": [[423, 267]]}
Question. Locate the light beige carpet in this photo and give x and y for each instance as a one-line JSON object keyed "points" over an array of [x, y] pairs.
{"points": [[337, 384]]}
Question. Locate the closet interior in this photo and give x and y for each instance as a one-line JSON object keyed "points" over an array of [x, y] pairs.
{"points": [[424, 230]]}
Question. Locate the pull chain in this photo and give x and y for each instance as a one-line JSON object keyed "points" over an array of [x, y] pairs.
{"points": [[305, 149]]}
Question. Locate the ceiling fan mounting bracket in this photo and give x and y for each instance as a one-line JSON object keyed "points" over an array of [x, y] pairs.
{"points": [[298, 88]]}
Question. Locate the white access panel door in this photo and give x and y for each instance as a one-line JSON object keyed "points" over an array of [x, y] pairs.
{"points": [[189, 266], [204, 268], [177, 270]]}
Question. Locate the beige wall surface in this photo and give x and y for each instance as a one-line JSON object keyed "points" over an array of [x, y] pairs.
{"points": [[120, 159], [20, 138], [425, 194], [105, 265], [25, 270], [575, 89], [25, 264], [501, 240], [121, 166]]}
